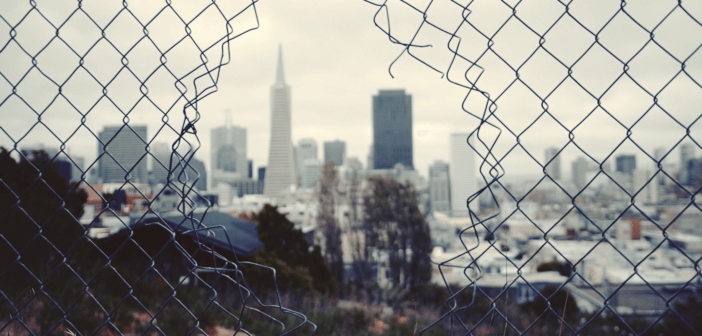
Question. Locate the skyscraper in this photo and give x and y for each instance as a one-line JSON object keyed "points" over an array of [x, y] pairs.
{"points": [[160, 162], [228, 153], [126, 146], [306, 149], [687, 153], [261, 173], [580, 167], [392, 130], [626, 164], [194, 168], [280, 172], [461, 172], [554, 163], [335, 151], [312, 168], [439, 187]]}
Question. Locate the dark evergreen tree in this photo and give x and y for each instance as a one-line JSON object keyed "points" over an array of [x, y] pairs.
{"points": [[286, 250], [39, 210]]}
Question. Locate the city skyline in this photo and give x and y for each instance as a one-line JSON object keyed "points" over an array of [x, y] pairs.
{"points": [[332, 99]]}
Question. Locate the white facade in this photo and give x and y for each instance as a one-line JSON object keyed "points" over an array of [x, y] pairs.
{"points": [[552, 163], [649, 194], [160, 162], [462, 173], [311, 170], [440, 187], [228, 161], [306, 149], [225, 193], [280, 173]]}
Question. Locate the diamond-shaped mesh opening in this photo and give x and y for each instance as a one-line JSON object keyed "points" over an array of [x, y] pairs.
{"points": [[83, 263], [82, 91], [22, 63], [36, 90], [103, 61], [515, 43], [533, 73], [629, 111], [589, 128]]}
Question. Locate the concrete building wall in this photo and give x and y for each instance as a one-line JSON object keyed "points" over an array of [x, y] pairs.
{"points": [[392, 130], [127, 148], [462, 172]]}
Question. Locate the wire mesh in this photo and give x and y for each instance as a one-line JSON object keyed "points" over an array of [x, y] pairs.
{"points": [[67, 68], [506, 44], [548, 72]]}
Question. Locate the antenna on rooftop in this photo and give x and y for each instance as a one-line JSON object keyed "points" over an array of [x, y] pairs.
{"points": [[228, 118]]}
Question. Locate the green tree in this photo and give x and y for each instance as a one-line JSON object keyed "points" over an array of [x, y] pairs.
{"points": [[39, 232], [394, 225], [286, 250], [38, 211], [278, 235]]}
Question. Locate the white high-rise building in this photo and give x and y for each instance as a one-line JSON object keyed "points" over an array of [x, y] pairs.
{"points": [[306, 149], [649, 194], [228, 153], [280, 172], [554, 163], [312, 169], [462, 173], [440, 187], [580, 167], [160, 162]]}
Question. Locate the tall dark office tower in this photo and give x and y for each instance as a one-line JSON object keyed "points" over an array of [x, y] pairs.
{"points": [[626, 163], [334, 151], [261, 173], [128, 147], [196, 169], [250, 169], [687, 153], [392, 129]]}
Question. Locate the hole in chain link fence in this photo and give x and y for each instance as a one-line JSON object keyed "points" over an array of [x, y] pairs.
{"points": [[584, 218]]}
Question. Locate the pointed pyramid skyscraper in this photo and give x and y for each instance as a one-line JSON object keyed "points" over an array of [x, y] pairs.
{"points": [[280, 173], [280, 76]]}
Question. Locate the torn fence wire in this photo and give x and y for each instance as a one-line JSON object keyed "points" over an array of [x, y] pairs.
{"points": [[70, 68], [592, 81]]}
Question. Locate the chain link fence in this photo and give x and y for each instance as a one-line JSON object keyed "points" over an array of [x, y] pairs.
{"points": [[608, 85], [68, 68], [600, 83]]}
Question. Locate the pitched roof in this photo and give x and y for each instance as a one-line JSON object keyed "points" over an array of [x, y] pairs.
{"points": [[225, 232]]}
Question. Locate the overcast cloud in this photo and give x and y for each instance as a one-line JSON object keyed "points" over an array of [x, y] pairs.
{"points": [[336, 59]]}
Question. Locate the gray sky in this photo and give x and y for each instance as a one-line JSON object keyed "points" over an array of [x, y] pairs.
{"points": [[336, 59]]}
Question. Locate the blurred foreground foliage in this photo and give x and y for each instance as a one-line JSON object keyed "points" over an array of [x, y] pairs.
{"points": [[143, 283]]}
